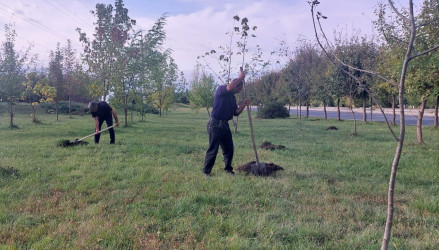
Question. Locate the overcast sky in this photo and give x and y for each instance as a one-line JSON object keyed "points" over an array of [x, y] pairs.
{"points": [[193, 26]]}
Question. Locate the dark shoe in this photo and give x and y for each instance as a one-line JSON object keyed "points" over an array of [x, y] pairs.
{"points": [[229, 171]]}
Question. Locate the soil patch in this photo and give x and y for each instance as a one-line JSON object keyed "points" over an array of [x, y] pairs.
{"points": [[8, 171], [331, 128], [271, 168], [67, 143], [268, 145]]}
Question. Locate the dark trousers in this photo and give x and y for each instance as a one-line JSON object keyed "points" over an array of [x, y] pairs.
{"points": [[109, 121], [219, 135]]}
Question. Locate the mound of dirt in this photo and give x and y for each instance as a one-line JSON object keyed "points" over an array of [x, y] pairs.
{"points": [[271, 169], [67, 143], [8, 171], [268, 145], [331, 128]]}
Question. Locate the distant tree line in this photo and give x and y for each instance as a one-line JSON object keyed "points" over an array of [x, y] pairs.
{"points": [[304, 76], [129, 68]]}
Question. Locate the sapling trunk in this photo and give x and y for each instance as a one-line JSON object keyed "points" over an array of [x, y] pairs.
{"points": [[251, 125]]}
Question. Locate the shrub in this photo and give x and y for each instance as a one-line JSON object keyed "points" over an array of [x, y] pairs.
{"points": [[147, 108], [63, 107], [273, 109]]}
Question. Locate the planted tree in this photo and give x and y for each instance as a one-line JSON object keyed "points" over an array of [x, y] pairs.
{"points": [[163, 76], [230, 57], [70, 81], [30, 94], [55, 76], [13, 67], [408, 34], [202, 90], [104, 53]]}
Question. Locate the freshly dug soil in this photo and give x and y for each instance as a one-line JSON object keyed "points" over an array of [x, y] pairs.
{"points": [[8, 171], [271, 168], [268, 145], [67, 143], [331, 128]]}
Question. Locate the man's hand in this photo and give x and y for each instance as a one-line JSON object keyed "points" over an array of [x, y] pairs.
{"points": [[246, 102], [241, 75], [241, 107], [117, 123], [97, 131]]}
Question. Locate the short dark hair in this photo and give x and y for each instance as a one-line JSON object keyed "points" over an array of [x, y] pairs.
{"points": [[93, 106]]}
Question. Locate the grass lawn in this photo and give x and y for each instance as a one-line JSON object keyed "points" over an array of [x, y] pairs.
{"points": [[147, 191]]}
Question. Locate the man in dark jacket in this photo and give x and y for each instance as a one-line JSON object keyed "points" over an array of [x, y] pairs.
{"points": [[101, 112], [224, 108]]}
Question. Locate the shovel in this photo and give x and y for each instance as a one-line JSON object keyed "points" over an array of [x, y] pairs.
{"points": [[78, 140], [66, 143]]}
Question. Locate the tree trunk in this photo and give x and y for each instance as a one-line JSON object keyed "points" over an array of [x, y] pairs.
{"points": [[132, 110], [208, 112], [355, 121], [436, 112], [56, 110], [392, 181], [364, 110], [125, 110], [70, 107], [324, 110], [235, 125], [371, 108], [300, 112], [307, 109], [394, 109], [161, 106], [419, 122], [338, 109], [34, 113], [11, 115]]}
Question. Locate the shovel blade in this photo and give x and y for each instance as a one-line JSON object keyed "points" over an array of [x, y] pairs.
{"points": [[259, 169]]}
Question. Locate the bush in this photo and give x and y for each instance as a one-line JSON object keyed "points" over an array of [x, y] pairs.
{"points": [[183, 99], [273, 110], [147, 108], [63, 108]]}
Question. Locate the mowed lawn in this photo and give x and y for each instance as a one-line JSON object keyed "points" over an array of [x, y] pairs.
{"points": [[148, 192]]}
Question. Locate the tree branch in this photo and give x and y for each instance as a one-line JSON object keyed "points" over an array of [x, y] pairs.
{"points": [[331, 58], [340, 61], [405, 19], [424, 52]]}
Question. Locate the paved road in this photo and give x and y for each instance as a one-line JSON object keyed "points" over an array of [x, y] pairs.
{"points": [[410, 119]]}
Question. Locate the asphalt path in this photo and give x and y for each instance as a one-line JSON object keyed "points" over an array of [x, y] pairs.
{"points": [[376, 116]]}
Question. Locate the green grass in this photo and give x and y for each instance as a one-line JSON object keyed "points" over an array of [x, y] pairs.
{"points": [[147, 191]]}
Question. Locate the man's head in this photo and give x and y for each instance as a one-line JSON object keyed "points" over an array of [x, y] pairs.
{"points": [[238, 87], [93, 106]]}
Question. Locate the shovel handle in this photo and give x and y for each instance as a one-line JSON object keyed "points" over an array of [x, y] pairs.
{"points": [[95, 133]]}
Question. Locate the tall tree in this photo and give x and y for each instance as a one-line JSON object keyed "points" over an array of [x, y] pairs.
{"points": [[421, 80], [163, 77], [56, 77], [104, 53], [299, 74], [202, 91], [13, 67], [70, 83], [30, 94]]}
